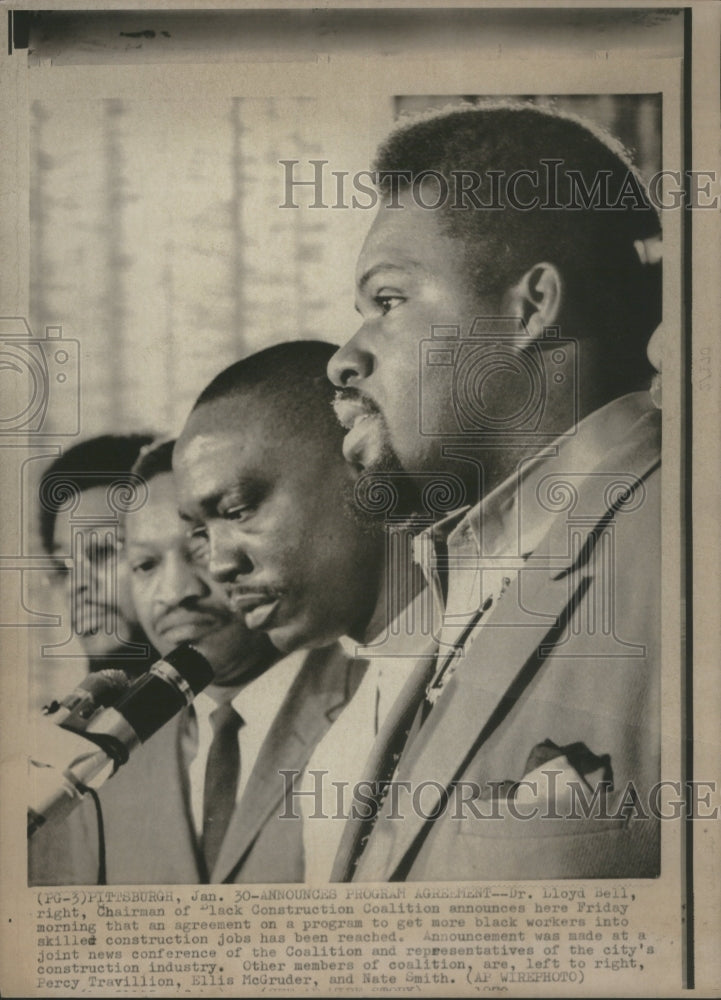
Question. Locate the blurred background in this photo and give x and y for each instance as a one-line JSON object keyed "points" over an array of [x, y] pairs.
{"points": [[157, 240], [158, 248]]}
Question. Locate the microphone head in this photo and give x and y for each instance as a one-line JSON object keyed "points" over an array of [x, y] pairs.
{"points": [[192, 666], [154, 698], [106, 686], [97, 691]]}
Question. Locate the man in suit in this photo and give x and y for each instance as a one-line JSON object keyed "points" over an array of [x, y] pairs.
{"points": [[278, 446], [302, 562], [508, 292], [162, 825]]}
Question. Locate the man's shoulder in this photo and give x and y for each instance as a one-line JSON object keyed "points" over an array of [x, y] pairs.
{"points": [[66, 854], [147, 772], [331, 667]]}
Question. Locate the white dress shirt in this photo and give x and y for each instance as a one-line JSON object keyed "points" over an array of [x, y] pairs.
{"points": [[342, 753], [257, 703], [487, 545]]}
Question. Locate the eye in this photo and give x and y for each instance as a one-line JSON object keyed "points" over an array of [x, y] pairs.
{"points": [[243, 501], [59, 570], [197, 535], [387, 302], [142, 567], [197, 545], [235, 511], [100, 551]]}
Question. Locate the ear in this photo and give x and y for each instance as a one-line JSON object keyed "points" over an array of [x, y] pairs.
{"points": [[536, 298]]}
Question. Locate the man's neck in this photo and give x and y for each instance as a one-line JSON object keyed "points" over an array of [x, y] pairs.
{"points": [[399, 583], [254, 660], [482, 475]]}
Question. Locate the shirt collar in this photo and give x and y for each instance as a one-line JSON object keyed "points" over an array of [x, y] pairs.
{"points": [[510, 521], [258, 701], [397, 640]]}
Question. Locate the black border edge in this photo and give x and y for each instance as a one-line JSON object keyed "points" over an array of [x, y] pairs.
{"points": [[18, 29], [687, 692]]}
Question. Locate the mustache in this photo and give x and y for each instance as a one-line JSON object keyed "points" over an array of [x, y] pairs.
{"points": [[184, 614], [238, 591], [349, 394]]}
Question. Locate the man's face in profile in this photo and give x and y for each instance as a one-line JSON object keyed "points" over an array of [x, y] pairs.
{"points": [[275, 508], [411, 277], [101, 606]]}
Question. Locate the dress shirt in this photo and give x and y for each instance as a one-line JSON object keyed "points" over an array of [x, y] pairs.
{"points": [[344, 749], [473, 554], [257, 703]]}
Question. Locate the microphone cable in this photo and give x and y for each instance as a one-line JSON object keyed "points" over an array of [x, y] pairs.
{"points": [[102, 865]]}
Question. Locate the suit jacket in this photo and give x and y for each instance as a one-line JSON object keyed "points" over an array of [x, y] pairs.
{"points": [[570, 655], [149, 834]]}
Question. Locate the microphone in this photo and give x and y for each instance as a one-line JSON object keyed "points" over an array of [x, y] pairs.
{"points": [[96, 691], [115, 731]]}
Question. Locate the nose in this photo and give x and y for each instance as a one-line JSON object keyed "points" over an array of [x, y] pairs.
{"points": [[178, 580], [227, 558], [351, 363], [93, 568], [83, 572], [93, 581]]}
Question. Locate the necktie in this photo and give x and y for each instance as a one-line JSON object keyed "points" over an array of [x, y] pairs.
{"points": [[222, 772]]}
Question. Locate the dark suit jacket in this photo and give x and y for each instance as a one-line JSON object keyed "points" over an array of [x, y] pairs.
{"points": [[570, 654], [149, 834]]}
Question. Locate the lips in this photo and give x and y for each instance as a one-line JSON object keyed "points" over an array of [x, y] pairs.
{"points": [[350, 406], [365, 442], [257, 608], [188, 627]]}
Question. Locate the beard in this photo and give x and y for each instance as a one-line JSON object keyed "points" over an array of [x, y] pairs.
{"points": [[384, 493]]}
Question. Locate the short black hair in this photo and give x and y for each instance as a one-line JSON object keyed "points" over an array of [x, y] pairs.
{"points": [[106, 460], [607, 286], [154, 459], [290, 377]]}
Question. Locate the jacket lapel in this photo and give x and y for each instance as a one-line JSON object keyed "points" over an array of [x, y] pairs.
{"points": [[325, 684], [506, 653], [408, 698], [477, 693]]}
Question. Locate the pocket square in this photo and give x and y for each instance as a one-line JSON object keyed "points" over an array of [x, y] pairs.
{"points": [[552, 771], [550, 774]]}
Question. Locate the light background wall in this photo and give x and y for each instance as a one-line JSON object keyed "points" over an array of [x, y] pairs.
{"points": [[156, 238]]}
